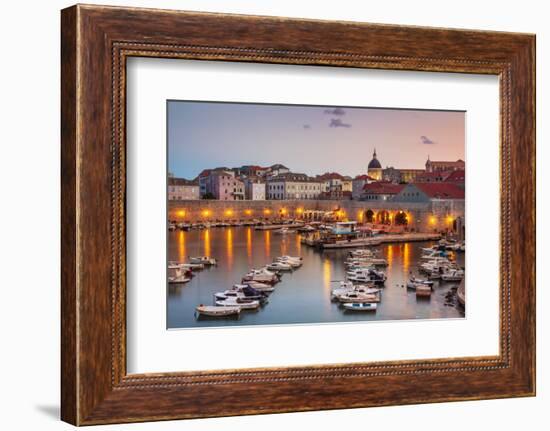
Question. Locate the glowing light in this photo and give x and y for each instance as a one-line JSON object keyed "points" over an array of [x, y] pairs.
{"points": [[229, 246], [300, 210], [181, 245], [206, 242], [206, 213], [283, 211], [229, 212], [267, 211], [248, 212], [432, 220], [181, 213], [249, 244], [327, 274], [267, 242], [406, 257], [450, 219]]}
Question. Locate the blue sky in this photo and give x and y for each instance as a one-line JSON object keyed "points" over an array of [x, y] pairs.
{"points": [[309, 139]]}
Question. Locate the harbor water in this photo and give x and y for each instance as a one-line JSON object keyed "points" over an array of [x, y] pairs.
{"points": [[303, 296]]}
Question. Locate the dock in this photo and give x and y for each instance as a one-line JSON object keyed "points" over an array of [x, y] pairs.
{"points": [[381, 239], [278, 226]]}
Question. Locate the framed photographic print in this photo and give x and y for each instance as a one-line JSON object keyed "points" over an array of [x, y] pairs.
{"points": [[258, 217]]}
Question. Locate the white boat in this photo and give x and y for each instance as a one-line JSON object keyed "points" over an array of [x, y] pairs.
{"points": [[262, 275], [362, 252], [213, 311], [453, 275], [367, 275], [283, 231], [204, 260], [358, 298], [245, 304], [234, 293], [413, 282], [191, 266], [177, 275], [359, 306], [279, 266], [293, 262], [172, 227], [337, 293]]}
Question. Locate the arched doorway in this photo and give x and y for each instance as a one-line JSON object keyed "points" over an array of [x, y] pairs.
{"points": [[369, 216], [383, 217], [401, 219]]}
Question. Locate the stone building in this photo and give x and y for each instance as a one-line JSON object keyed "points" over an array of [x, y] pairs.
{"points": [[254, 189], [292, 186], [434, 166], [182, 189], [221, 184]]}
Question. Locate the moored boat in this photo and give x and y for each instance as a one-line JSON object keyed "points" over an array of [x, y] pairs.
{"points": [[355, 306], [214, 311]]}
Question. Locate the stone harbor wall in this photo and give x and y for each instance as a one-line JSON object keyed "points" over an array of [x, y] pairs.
{"points": [[433, 216]]}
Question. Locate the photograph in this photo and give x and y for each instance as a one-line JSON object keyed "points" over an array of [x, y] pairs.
{"points": [[299, 214]]}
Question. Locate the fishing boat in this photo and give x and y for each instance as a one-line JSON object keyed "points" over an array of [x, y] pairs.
{"points": [[243, 303], [359, 306], [453, 275], [204, 260], [213, 311]]}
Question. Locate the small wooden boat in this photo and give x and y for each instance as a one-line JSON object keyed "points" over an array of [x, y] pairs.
{"points": [[213, 311], [365, 306], [423, 291]]}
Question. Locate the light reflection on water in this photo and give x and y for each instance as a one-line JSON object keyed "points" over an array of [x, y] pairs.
{"points": [[303, 296]]}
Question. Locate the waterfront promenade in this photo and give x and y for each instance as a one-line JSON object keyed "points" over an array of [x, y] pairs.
{"points": [[434, 216]]}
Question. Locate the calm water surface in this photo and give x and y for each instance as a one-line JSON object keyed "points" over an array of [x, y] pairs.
{"points": [[303, 296]]}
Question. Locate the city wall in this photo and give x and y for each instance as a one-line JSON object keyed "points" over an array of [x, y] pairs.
{"points": [[436, 215]]}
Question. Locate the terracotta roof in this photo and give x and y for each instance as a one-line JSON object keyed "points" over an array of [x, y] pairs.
{"points": [[363, 177], [430, 176], [330, 176], [441, 190], [181, 182], [383, 188], [458, 176]]}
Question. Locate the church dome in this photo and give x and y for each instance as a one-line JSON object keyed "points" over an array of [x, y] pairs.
{"points": [[374, 163]]}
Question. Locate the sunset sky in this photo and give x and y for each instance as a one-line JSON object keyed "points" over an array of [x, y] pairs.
{"points": [[308, 139]]}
